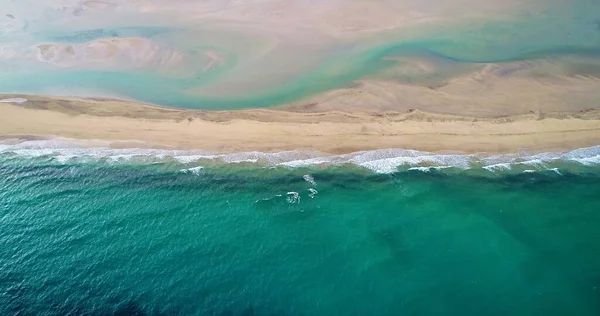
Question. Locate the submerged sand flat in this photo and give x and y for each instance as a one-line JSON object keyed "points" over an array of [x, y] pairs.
{"points": [[129, 124]]}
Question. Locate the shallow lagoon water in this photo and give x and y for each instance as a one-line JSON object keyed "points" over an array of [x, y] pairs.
{"points": [[213, 64]]}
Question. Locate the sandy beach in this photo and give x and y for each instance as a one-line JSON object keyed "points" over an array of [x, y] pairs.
{"points": [[130, 124], [335, 76]]}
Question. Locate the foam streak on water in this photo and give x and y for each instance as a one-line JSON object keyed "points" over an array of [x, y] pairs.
{"points": [[64, 151]]}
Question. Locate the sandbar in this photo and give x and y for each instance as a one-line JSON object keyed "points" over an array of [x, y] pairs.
{"points": [[132, 124]]}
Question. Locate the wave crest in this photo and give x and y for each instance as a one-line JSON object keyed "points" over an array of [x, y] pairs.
{"points": [[64, 151]]}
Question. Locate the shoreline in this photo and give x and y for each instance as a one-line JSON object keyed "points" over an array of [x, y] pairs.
{"points": [[130, 124]]}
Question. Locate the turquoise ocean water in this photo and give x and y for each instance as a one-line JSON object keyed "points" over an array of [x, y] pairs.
{"points": [[394, 232], [98, 231]]}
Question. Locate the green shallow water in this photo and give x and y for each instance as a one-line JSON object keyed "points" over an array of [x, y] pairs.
{"points": [[101, 238]]}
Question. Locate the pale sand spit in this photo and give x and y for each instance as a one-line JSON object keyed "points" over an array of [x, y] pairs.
{"points": [[130, 124]]}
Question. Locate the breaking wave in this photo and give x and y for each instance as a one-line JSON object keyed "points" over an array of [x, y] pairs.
{"points": [[66, 151]]}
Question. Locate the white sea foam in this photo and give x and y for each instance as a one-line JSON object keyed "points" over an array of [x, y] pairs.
{"points": [[588, 160], [308, 178], [191, 158], [194, 170], [64, 151], [498, 167], [312, 192], [427, 169], [305, 162], [389, 160], [64, 159], [244, 161], [121, 157], [533, 162], [293, 197], [14, 100]]}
